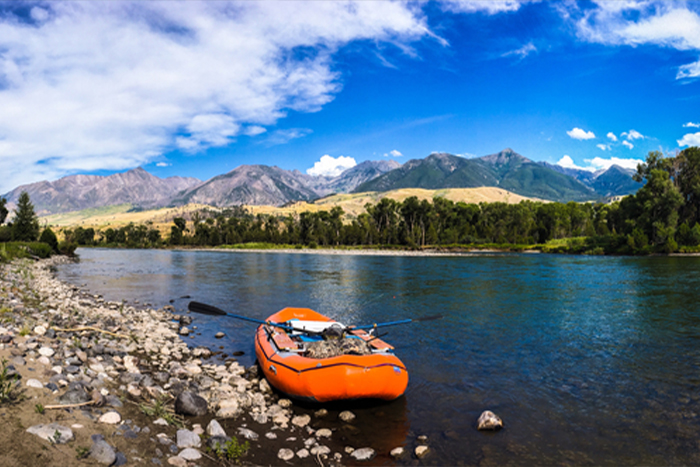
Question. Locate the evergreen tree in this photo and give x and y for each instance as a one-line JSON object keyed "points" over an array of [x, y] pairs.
{"points": [[3, 210], [48, 237], [25, 227]]}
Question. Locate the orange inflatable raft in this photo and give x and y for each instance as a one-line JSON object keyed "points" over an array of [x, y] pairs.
{"points": [[284, 361]]}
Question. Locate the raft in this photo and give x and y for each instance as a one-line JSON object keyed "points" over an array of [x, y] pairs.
{"points": [[284, 357]]}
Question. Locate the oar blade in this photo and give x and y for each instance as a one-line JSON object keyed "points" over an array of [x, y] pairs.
{"points": [[427, 318], [203, 308]]}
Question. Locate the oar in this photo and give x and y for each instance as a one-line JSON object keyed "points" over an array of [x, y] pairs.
{"points": [[394, 323], [205, 309]]}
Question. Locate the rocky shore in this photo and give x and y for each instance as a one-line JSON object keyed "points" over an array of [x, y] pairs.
{"points": [[93, 382]]}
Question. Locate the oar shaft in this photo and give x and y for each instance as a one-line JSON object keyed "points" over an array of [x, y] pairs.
{"points": [[381, 325]]}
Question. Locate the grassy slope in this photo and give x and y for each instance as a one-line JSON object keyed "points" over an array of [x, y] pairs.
{"points": [[353, 204]]}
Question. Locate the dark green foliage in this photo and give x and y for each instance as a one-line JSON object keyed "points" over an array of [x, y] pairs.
{"points": [[39, 249], [25, 226], [67, 248], [3, 210], [5, 233], [49, 237]]}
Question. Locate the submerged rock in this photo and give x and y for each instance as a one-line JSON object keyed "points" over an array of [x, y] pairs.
{"points": [[489, 421]]}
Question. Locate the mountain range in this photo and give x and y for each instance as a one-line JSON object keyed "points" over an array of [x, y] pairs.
{"points": [[265, 185]]}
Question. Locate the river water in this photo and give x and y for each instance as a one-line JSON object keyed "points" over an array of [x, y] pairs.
{"points": [[588, 360]]}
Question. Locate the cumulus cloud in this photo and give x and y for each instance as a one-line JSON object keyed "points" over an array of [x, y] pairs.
{"points": [[628, 144], [393, 153], [111, 85], [568, 163], [691, 125], [490, 7], [598, 163], [611, 136], [632, 135], [578, 133], [690, 139], [331, 166], [666, 24]]}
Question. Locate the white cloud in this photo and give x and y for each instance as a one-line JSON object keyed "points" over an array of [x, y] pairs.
{"points": [[612, 136], [632, 135], [578, 133], [628, 144], [522, 52], [285, 136], [112, 85], [598, 163], [662, 23], [331, 166], [163, 164], [690, 139], [603, 147], [490, 7], [691, 125], [568, 163], [393, 153]]}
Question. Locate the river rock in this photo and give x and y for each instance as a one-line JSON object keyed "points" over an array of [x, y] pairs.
{"points": [[489, 421], [421, 451], [189, 403], [102, 452], [215, 429], [188, 439], [110, 418], [49, 432], [285, 454], [190, 454], [247, 434], [303, 453], [47, 351], [216, 443], [74, 396], [363, 454], [320, 450], [219, 335], [177, 461], [346, 416], [301, 420], [397, 452], [34, 383], [323, 433]]}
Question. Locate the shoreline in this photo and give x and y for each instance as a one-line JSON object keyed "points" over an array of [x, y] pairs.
{"points": [[342, 252], [106, 362]]}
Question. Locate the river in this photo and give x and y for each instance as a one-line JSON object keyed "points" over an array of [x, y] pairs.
{"points": [[588, 360]]}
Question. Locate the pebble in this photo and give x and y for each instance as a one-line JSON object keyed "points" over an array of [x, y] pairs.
{"points": [[47, 351], [303, 453], [285, 454], [320, 413], [110, 418], [363, 454], [397, 452], [247, 434], [215, 429], [421, 451], [346, 416], [301, 420], [188, 439], [190, 454], [177, 461], [324, 433], [102, 452], [320, 450], [34, 383], [219, 335]]}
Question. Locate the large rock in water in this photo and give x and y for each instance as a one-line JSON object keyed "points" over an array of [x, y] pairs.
{"points": [[489, 421], [189, 403]]}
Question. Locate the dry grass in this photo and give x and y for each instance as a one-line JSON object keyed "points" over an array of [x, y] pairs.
{"points": [[353, 204]]}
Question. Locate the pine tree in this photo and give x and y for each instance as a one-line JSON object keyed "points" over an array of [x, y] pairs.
{"points": [[25, 226], [3, 210]]}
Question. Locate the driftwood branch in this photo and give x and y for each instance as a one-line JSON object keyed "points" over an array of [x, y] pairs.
{"points": [[90, 328]]}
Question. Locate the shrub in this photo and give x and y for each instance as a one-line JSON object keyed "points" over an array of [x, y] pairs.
{"points": [[48, 237], [67, 248], [5, 233], [42, 250]]}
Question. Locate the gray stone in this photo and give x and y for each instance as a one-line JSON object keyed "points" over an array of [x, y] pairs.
{"points": [[285, 454], [102, 452], [346, 416], [397, 452], [52, 432], [110, 418], [188, 439], [421, 451], [190, 454], [34, 383], [189, 403], [363, 454], [215, 429], [217, 442], [247, 434], [489, 421], [301, 420], [323, 433]]}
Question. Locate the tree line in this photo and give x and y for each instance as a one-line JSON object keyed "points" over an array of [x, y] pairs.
{"points": [[663, 216]]}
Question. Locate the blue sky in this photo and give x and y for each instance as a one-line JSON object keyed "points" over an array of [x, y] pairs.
{"points": [[199, 88]]}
